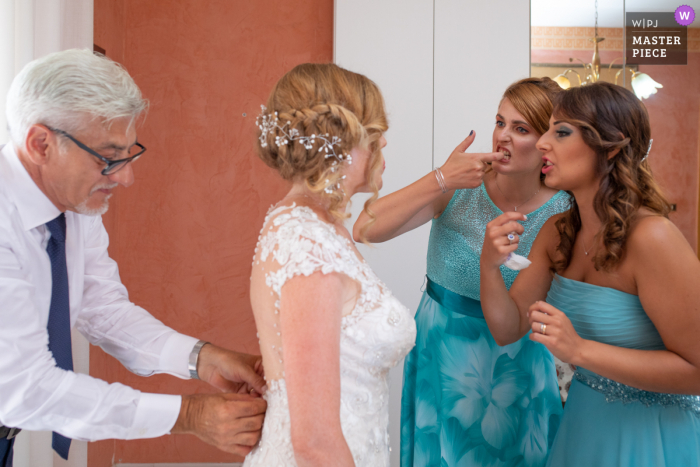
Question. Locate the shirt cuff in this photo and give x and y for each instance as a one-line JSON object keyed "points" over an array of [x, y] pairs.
{"points": [[176, 354], [155, 416]]}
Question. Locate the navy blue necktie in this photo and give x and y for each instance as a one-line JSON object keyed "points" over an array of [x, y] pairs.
{"points": [[59, 312]]}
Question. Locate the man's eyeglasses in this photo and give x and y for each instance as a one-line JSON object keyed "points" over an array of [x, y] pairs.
{"points": [[112, 165]]}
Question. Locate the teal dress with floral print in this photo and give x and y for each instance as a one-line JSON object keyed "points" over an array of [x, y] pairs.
{"points": [[467, 401]]}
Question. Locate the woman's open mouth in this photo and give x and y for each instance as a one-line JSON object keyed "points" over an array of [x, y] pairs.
{"points": [[547, 165], [506, 154]]}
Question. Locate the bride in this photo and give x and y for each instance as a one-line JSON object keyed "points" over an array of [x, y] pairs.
{"points": [[329, 329]]}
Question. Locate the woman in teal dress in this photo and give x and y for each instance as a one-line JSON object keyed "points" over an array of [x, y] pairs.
{"points": [[466, 401], [612, 289]]}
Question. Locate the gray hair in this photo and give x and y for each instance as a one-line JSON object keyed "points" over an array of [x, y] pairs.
{"points": [[64, 88]]}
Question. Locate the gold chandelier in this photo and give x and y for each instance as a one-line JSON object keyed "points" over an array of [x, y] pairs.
{"points": [[642, 84]]}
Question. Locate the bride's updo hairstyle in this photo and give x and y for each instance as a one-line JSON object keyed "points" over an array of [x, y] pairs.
{"points": [[320, 99], [610, 117]]}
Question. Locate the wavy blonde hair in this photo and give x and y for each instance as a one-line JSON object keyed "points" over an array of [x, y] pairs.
{"points": [[319, 99], [610, 117]]}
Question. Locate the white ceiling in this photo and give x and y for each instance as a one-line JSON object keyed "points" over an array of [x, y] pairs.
{"points": [[610, 12]]}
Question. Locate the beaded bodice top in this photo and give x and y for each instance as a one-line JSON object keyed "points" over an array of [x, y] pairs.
{"points": [[457, 236], [377, 331]]}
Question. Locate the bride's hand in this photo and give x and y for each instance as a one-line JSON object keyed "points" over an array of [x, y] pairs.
{"points": [[501, 239], [464, 170]]}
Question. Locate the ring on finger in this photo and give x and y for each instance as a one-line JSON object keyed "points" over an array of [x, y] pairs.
{"points": [[543, 328], [511, 237]]}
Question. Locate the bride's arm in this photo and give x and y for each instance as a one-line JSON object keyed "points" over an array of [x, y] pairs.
{"points": [[310, 319]]}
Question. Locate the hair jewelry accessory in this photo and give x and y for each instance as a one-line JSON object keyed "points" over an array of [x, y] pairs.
{"points": [[269, 122], [648, 150]]}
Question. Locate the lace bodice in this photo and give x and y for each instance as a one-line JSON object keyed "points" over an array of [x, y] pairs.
{"points": [[377, 332]]}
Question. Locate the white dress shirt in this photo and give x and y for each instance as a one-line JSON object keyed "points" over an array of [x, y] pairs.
{"points": [[34, 393]]}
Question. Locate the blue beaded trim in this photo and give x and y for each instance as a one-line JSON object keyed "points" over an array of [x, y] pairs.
{"points": [[618, 392]]}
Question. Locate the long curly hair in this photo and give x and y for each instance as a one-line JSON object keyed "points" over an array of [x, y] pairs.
{"points": [[610, 118], [320, 99]]}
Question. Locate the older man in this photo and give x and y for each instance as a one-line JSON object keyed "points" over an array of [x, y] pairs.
{"points": [[72, 117]]}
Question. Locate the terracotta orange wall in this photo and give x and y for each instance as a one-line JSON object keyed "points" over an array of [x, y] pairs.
{"points": [[185, 232], [674, 113]]}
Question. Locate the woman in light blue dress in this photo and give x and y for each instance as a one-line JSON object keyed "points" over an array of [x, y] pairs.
{"points": [[466, 401], [612, 289]]}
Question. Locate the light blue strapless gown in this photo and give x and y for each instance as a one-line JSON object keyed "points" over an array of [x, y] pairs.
{"points": [[605, 423], [466, 401]]}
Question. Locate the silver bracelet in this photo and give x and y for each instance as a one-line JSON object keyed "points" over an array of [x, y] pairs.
{"points": [[194, 357], [441, 179]]}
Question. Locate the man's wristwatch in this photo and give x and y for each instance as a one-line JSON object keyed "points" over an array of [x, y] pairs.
{"points": [[7, 432], [194, 357]]}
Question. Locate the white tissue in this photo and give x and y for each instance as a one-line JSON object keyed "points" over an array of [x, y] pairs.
{"points": [[516, 262]]}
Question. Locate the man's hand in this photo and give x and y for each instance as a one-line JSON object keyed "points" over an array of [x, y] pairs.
{"points": [[231, 371], [230, 422]]}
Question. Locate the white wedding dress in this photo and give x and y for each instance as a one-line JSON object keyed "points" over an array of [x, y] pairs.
{"points": [[375, 336]]}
